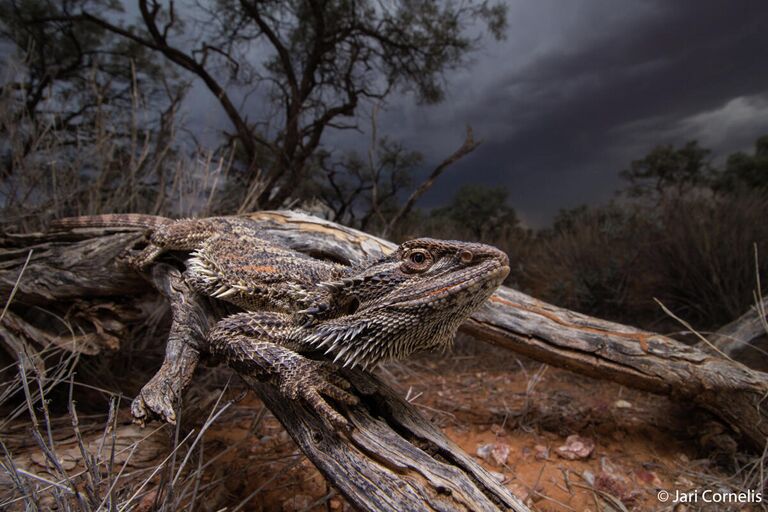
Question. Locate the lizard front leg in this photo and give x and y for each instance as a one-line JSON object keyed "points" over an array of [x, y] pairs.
{"points": [[254, 344], [191, 317]]}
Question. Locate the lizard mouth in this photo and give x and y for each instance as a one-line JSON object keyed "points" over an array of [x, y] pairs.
{"points": [[481, 280]]}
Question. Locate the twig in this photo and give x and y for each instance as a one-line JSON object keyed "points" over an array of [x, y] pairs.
{"points": [[16, 285], [694, 331]]}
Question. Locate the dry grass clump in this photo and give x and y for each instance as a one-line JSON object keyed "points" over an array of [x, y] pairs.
{"points": [[112, 165], [60, 459]]}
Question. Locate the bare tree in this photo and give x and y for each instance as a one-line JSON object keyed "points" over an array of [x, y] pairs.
{"points": [[365, 192]]}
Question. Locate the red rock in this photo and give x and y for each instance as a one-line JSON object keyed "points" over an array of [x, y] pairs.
{"points": [[576, 447], [494, 452], [542, 452], [648, 477]]}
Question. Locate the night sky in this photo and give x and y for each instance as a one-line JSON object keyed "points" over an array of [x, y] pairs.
{"points": [[578, 89]]}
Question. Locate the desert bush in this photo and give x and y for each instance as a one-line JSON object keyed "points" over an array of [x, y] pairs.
{"points": [[701, 260], [587, 261], [695, 254]]}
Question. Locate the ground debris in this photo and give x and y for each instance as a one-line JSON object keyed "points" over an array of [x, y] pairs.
{"points": [[496, 452]]}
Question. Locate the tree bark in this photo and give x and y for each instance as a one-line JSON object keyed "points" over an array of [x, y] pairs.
{"points": [[393, 459]]}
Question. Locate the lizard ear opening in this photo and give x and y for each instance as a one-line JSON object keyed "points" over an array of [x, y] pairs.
{"points": [[353, 306]]}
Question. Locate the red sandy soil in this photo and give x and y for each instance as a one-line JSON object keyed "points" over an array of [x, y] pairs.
{"points": [[480, 395]]}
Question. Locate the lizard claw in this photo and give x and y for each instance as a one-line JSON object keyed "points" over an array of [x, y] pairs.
{"points": [[155, 400], [312, 313], [314, 379]]}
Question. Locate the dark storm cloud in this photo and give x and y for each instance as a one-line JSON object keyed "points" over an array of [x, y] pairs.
{"points": [[577, 90], [582, 88]]}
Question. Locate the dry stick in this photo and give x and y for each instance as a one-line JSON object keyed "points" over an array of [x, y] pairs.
{"points": [[212, 417], [132, 448], [49, 458], [12, 471], [232, 447], [108, 495], [16, 285], [92, 471], [692, 330], [610, 498], [169, 491], [44, 480], [155, 471], [198, 477], [759, 302], [320, 501], [113, 408]]}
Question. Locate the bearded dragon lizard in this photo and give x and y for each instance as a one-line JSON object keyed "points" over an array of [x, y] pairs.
{"points": [[301, 313]]}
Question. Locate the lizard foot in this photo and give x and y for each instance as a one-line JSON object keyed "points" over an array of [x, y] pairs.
{"points": [[139, 260], [155, 400], [310, 379]]}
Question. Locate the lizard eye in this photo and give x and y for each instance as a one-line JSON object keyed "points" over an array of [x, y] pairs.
{"points": [[417, 260]]}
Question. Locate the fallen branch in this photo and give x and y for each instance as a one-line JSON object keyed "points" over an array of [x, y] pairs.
{"points": [[564, 338], [744, 339]]}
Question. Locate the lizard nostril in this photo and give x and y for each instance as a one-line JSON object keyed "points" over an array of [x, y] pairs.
{"points": [[466, 256]]}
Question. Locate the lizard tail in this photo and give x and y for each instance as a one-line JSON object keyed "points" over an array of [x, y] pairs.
{"points": [[112, 220]]}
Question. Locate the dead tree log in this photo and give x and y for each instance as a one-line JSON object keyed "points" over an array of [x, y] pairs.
{"points": [[564, 338], [392, 460], [510, 319]]}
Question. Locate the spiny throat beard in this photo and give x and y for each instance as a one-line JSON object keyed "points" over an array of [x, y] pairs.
{"points": [[424, 317]]}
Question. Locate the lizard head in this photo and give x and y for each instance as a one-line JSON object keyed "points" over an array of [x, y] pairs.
{"points": [[411, 300]]}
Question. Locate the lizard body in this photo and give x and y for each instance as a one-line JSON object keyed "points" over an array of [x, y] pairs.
{"points": [[231, 259], [301, 312]]}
